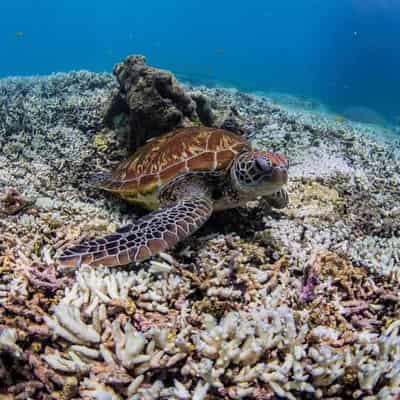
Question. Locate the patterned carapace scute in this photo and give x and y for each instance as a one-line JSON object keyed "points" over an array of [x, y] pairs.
{"points": [[183, 150]]}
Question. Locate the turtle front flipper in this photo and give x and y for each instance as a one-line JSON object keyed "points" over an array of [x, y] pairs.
{"points": [[279, 199], [148, 236]]}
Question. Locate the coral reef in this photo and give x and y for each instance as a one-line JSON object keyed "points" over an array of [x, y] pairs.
{"points": [[297, 303]]}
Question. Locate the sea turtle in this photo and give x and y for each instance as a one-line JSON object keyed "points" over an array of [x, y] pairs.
{"points": [[183, 176]]}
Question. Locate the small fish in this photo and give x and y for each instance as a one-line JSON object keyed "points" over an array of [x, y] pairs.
{"points": [[220, 52], [19, 35], [339, 119]]}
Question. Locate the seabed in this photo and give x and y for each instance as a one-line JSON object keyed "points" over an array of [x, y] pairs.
{"points": [[300, 303]]}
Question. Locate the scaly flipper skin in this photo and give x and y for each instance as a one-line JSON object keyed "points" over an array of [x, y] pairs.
{"points": [[150, 235], [279, 199]]}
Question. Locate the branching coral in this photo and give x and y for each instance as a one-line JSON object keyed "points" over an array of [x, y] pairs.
{"points": [[69, 325]]}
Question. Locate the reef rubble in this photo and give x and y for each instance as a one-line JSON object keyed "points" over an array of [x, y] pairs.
{"points": [[300, 303]]}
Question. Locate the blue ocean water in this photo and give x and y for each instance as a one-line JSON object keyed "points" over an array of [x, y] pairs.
{"points": [[344, 53]]}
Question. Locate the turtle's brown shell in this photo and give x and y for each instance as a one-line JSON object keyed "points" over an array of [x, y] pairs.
{"points": [[177, 152]]}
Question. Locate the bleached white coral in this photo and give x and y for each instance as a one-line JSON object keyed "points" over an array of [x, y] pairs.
{"points": [[381, 359], [129, 345], [151, 393], [136, 289], [8, 341], [381, 255], [155, 349], [69, 362], [3, 293], [92, 389], [68, 324], [242, 339]]}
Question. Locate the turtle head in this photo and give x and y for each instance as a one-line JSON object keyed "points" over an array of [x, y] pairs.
{"points": [[260, 172]]}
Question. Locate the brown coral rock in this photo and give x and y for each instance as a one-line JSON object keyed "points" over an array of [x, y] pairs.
{"points": [[12, 202], [150, 101], [154, 100]]}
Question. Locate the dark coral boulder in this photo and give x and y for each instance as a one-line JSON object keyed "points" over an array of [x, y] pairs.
{"points": [[152, 99]]}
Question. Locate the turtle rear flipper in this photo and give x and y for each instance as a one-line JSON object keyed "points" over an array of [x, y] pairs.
{"points": [[99, 179], [150, 235]]}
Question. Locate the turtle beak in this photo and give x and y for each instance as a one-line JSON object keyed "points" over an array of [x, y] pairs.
{"points": [[279, 166], [280, 175]]}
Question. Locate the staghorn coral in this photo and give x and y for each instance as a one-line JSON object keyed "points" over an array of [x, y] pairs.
{"points": [[130, 292], [348, 296], [69, 325], [242, 349], [8, 338], [269, 346], [378, 254]]}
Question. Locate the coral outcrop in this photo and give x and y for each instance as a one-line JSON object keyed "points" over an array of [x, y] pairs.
{"points": [[153, 99], [153, 102]]}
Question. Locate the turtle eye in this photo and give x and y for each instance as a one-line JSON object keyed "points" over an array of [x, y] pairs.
{"points": [[263, 164]]}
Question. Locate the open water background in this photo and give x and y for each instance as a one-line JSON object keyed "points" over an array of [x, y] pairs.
{"points": [[344, 53]]}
